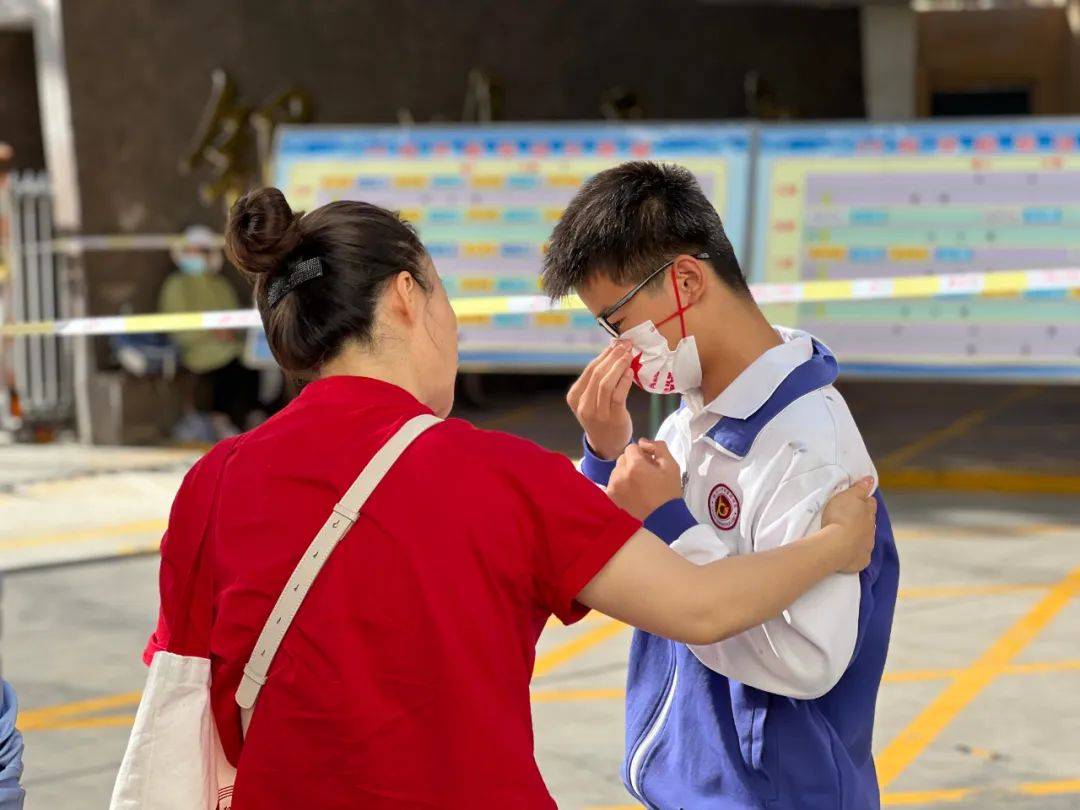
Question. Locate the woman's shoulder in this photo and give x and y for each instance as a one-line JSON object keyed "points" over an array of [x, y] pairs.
{"points": [[492, 447], [207, 470]]}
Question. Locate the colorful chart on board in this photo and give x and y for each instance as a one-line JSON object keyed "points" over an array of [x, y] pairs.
{"points": [[842, 202], [485, 199]]}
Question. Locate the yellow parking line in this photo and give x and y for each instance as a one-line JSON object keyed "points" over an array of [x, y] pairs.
{"points": [[83, 535], [956, 428], [925, 728], [1042, 668], [573, 695], [131, 551], [102, 721], [980, 480], [560, 655], [917, 797], [1050, 788], [925, 797], [38, 718]]}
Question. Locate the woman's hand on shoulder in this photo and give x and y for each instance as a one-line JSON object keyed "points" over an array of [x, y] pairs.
{"points": [[854, 512]]}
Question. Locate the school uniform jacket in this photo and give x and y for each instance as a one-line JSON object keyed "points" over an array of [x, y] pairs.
{"points": [[780, 716]]}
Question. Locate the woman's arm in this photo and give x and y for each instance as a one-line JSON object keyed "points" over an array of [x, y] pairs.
{"points": [[648, 585]]}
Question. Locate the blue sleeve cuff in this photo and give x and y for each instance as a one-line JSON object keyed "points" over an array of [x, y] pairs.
{"points": [[595, 468], [668, 522]]}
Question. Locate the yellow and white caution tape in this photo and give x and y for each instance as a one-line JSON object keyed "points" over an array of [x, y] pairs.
{"points": [[118, 243], [1004, 283], [999, 282]]}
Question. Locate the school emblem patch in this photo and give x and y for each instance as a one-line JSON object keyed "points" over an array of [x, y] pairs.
{"points": [[723, 507]]}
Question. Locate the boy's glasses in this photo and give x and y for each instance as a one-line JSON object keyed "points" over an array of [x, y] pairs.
{"points": [[603, 318]]}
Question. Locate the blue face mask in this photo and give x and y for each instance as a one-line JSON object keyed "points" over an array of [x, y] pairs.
{"points": [[194, 264]]}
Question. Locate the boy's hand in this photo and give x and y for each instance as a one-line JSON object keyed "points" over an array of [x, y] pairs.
{"points": [[855, 511], [598, 400], [646, 476]]}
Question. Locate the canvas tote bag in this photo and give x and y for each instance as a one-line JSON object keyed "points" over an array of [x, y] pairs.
{"points": [[174, 759]]}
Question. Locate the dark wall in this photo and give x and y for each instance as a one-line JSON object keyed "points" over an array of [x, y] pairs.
{"points": [[138, 90], [20, 123]]}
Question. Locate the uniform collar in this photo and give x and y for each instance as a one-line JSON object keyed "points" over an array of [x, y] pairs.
{"points": [[805, 366], [756, 383]]}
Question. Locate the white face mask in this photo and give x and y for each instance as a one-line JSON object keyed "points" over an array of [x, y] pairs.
{"points": [[659, 369]]}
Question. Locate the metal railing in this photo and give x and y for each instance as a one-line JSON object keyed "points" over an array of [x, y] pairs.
{"points": [[37, 288]]}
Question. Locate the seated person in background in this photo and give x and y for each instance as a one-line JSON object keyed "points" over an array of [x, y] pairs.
{"points": [[225, 387]]}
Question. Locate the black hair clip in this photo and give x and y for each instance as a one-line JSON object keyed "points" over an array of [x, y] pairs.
{"points": [[297, 275]]}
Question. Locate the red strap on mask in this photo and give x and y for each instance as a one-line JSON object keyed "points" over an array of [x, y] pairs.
{"points": [[679, 312]]}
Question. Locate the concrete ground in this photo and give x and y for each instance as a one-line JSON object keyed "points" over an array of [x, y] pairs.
{"points": [[61, 504], [981, 704]]}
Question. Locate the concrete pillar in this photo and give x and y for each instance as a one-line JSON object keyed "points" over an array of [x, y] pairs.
{"points": [[889, 52], [1072, 76]]}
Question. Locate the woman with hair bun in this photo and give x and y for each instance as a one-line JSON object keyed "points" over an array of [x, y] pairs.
{"points": [[403, 679]]}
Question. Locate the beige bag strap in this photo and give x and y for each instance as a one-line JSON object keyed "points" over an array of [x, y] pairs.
{"points": [[337, 525]]}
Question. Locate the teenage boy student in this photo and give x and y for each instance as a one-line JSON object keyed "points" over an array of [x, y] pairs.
{"points": [[782, 715]]}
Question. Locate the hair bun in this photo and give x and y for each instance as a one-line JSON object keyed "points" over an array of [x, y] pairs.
{"points": [[262, 231]]}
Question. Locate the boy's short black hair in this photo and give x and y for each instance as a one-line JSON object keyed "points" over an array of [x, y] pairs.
{"points": [[629, 220]]}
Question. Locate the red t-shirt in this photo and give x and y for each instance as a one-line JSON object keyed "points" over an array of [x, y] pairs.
{"points": [[404, 679]]}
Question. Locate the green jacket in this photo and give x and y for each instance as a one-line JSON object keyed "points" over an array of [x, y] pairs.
{"points": [[202, 351]]}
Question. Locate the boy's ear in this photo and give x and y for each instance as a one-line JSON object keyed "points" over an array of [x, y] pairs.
{"points": [[690, 278]]}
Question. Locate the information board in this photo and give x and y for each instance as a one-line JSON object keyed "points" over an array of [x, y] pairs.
{"points": [[843, 202], [484, 200]]}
